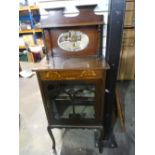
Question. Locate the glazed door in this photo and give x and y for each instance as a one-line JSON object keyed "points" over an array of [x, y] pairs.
{"points": [[74, 101]]}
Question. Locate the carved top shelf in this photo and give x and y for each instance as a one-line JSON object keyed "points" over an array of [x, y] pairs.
{"points": [[86, 17]]}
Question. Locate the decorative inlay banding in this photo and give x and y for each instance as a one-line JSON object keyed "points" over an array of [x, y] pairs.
{"points": [[69, 75]]}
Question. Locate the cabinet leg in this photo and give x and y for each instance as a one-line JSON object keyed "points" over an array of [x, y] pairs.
{"points": [[100, 141], [52, 137]]}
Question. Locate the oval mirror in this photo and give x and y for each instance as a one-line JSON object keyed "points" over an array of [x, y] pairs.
{"points": [[73, 41]]}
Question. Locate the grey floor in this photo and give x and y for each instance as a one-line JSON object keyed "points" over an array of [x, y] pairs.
{"points": [[34, 139]]}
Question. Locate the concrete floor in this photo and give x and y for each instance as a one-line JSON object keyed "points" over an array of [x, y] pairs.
{"points": [[33, 136]]}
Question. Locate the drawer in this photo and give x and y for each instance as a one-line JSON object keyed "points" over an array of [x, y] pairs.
{"points": [[71, 74]]}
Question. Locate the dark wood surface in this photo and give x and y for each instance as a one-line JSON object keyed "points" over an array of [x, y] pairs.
{"points": [[86, 22], [93, 48], [63, 63]]}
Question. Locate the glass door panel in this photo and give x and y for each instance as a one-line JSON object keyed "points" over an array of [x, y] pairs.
{"points": [[72, 101]]}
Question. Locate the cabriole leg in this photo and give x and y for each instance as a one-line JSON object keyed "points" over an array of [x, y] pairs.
{"points": [[52, 137]]}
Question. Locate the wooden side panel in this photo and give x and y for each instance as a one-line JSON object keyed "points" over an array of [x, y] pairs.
{"points": [[127, 57], [47, 41], [130, 5], [129, 19]]}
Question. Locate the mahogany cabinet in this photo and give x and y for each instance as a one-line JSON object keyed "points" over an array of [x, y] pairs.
{"points": [[72, 79]]}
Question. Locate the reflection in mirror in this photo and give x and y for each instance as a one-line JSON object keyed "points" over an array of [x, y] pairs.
{"points": [[73, 41]]}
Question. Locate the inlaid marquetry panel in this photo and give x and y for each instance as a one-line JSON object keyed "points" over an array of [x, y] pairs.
{"points": [[71, 74]]}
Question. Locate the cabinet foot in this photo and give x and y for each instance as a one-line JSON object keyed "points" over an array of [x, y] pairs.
{"points": [[49, 129]]}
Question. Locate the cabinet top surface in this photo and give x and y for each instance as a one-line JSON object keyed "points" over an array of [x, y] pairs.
{"points": [[59, 63]]}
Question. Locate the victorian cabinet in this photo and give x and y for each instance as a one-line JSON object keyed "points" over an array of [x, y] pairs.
{"points": [[72, 79]]}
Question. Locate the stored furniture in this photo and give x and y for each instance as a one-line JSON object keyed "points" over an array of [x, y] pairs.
{"points": [[51, 74], [72, 81]]}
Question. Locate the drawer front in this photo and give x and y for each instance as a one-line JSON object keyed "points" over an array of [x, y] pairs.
{"points": [[71, 74]]}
